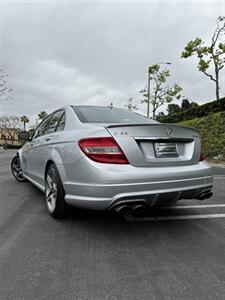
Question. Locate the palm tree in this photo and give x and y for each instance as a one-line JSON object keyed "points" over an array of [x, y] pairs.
{"points": [[42, 115], [24, 120]]}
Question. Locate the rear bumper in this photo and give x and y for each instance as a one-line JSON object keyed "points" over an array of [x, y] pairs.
{"points": [[152, 185]]}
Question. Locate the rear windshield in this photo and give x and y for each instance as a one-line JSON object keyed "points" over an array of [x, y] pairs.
{"points": [[100, 114]]}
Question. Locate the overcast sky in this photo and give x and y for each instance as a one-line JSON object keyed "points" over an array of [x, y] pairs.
{"points": [[96, 52]]}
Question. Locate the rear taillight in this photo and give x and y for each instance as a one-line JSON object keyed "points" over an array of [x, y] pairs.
{"points": [[202, 156], [103, 150]]}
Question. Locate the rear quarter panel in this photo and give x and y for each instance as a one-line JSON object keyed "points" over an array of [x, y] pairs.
{"points": [[65, 152]]}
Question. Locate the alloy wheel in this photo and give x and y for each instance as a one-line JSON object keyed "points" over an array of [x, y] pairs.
{"points": [[51, 190], [17, 169]]}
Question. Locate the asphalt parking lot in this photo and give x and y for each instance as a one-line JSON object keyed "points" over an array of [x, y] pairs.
{"points": [[175, 253]]}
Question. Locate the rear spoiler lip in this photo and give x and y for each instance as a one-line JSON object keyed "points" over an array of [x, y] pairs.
{"points": [[164, 139], [128, 125], [148, 124]]}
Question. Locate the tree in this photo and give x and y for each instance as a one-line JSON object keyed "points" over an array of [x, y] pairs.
{"points": [[160, 115], [4, 90], [186, 104], [210, 56], [42, 115], [160, 93], [173, 109], [130, 106], [24, 120]]}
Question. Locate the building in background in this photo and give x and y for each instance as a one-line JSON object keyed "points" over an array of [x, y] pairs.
{"points": [[9, 137]]}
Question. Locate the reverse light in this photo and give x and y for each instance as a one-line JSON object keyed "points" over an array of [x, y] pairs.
{"points": [[103, 150]]}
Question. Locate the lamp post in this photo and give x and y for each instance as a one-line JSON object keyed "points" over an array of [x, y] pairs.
{"points": [[148, 103]]}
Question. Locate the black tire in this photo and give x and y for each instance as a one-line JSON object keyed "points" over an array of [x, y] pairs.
{"points": [[17, 170], [59, 210]]}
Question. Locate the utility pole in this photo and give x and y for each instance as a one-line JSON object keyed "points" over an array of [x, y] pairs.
{"points": [[148, 103]]}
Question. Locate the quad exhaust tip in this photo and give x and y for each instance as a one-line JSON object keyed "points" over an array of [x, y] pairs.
{"points": [[138, 209], [205, 195], [122, 209], [135, 208]]}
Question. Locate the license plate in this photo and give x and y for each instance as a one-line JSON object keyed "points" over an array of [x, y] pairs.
{"points": [[165, 150]]}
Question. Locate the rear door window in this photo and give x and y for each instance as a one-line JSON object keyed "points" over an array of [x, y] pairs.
{"points": [[42, 127], [62, 123], [54, 122]]}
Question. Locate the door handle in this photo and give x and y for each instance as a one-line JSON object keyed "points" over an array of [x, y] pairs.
{"points": [[47, 139]]}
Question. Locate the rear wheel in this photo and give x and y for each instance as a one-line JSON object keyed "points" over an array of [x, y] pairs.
{"points": [[54, 193], [17, 169]]}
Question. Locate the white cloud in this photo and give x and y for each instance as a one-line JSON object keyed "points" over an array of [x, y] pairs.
{"points": [[51, 85], [88, 52]]}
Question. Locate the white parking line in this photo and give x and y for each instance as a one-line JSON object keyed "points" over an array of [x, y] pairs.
{"points": [[192, 206], [219, 177], [130, 218]]}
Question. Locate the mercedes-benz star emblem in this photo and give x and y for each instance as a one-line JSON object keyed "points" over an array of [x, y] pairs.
{"points": [[169, 131]]}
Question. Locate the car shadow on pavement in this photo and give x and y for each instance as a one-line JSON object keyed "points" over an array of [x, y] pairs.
{"points": [[111, 221], [106, 222]]}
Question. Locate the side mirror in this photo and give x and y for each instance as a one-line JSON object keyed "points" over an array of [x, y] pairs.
{"points": [[24, 136]]}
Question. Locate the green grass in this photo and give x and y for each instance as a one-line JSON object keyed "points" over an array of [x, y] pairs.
{"points": [[212, 131]]}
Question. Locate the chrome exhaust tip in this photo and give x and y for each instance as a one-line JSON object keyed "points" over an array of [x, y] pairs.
{"points": [[209, 195], [205, 195], [122, 209], [138, 209]]}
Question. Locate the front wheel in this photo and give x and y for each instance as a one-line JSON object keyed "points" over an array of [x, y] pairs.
{"points": [[17, 169], [54, 193]]}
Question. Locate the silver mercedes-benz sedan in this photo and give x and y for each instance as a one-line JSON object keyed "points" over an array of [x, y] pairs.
{"points": [[108, 158]]}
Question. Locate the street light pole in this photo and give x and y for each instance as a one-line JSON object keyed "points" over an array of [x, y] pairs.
{"points": [[148, 103]]}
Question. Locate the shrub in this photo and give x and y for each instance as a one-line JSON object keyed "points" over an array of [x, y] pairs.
{"points": [[212, 131], [195, 112]]}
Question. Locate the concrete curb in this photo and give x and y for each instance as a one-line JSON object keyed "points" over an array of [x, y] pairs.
{"points": [[217, 165]]}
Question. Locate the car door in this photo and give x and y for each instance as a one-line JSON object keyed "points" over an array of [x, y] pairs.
{"points": [[42, 150], [32, 150]]}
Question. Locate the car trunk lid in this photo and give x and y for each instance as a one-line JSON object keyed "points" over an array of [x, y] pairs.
{"points": [[157, 144]]}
